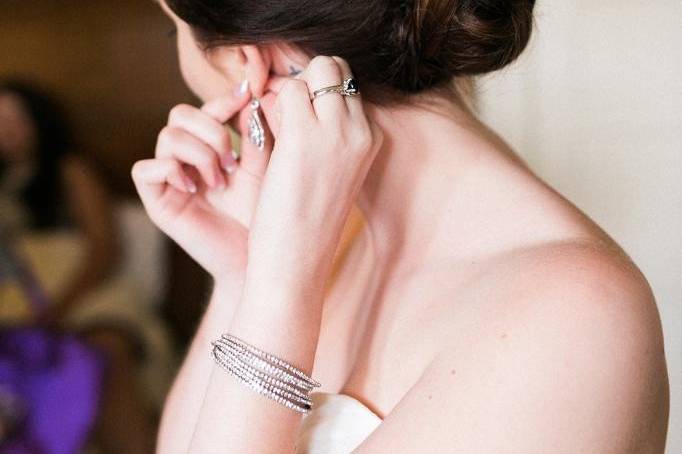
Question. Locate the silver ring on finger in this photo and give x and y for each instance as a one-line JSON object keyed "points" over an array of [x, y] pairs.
{"points": [[349, 87]]}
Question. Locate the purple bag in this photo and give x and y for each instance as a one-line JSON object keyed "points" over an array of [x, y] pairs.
{"points": [[50, 383], [57, 381]]}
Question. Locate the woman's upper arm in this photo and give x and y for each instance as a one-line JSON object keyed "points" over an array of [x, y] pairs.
{"points": [[578, 367]]}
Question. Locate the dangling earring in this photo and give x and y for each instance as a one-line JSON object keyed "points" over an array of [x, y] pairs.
{"points": [[256, 131]]}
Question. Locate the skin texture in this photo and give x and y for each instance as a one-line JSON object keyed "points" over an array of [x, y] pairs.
{"points": [[477, 311]]}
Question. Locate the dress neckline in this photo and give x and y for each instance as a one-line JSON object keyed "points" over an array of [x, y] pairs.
{"points": [[321, 398], [337, 423]]}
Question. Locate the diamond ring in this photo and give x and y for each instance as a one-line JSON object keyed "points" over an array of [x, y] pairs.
{"points": [[349, 87]]}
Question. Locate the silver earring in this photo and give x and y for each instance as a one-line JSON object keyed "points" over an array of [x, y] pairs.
{"points": [[256, 131]]}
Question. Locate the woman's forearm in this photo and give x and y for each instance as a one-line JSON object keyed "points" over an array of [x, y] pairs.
{"points": [[304, 198], [181, 410], [284, 320]]}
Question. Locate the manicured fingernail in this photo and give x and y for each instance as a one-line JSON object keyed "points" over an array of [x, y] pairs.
{"points": [[189, 184], [242, 88], [227, 160]]}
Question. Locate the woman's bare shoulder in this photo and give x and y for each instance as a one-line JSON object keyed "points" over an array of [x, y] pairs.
{"points": [[559, 341], [562, 339]]}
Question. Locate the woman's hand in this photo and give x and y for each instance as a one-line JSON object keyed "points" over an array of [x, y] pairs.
{"points": [[322, 154], [193, 189]]}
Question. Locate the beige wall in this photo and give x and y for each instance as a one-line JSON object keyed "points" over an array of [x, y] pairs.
{"points": [[595, 106]]}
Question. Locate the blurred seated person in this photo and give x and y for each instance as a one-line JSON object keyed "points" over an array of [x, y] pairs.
{"points": [[58, 209], [47, 186]]}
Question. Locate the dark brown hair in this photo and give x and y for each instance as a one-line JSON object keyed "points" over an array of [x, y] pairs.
{"points": [[395, 48]]}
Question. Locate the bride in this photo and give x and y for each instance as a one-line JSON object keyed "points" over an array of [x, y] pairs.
{"points": [[475, 310]]}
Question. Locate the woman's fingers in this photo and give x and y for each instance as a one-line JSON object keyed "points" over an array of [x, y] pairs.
{"points": [[205, 128], [293, 104], [181, 145], [275, 82], [323, 72], [226, 111], [272, 118], [152, 175], [354, 103], [226, 107]]}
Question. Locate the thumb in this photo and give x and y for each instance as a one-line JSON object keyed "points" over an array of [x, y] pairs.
{"points": [[272, 115], [273, 87], [227, 106]]}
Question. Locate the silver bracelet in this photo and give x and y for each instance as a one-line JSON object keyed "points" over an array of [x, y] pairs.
{"points": [[272, 358], [263, 386], [260, 363], [229, 357], [265, 373]]}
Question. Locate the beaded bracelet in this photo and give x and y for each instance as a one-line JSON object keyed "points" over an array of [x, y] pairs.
{"points": [[265, 373], [266, 388], [228, 356], [272, 358]]}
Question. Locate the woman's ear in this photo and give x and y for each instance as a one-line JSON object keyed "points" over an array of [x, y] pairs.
{"points": [[239, 63], [257, 64], [257, 67], [261, 63]]}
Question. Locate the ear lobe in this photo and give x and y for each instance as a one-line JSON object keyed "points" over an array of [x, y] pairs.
{"points": [[227, 60], [257, 66], [236, 63]]}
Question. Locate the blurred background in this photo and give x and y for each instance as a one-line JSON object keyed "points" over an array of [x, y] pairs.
{"points": [[593, 105], [106, 72]]}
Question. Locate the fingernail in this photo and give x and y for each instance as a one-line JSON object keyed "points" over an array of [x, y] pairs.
{"points": [[231, 168], [227, 160], [242, 88], [189, 184]]}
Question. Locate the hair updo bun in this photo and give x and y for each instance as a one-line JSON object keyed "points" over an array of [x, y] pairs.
{"points": [[449, 38], [396, 48]]}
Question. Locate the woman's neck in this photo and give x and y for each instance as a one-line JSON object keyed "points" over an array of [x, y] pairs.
{"points": [[411, 189]]}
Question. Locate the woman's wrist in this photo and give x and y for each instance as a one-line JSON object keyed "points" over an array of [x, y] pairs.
{"points": [[223, 303], [282, 319], [280, 274], [228, 287], [287, 280], [303, 256]]}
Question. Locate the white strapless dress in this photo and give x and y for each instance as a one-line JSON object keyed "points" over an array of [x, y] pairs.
{"points": [[337, 424]]}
